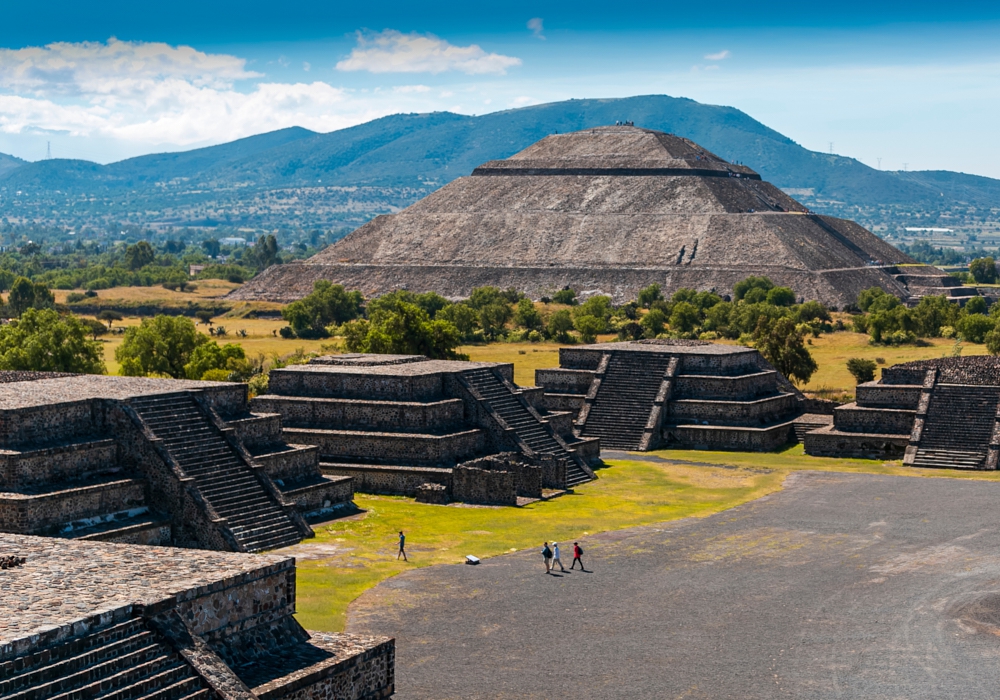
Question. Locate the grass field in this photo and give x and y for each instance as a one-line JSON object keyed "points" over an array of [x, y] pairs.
{"points": [[349, 556]]}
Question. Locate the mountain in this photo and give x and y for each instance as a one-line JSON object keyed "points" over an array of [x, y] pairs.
{"points": [[397, 159], [9, 163]]}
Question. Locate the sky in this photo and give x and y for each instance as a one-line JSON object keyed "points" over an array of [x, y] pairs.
{"points": [[912, 85]]}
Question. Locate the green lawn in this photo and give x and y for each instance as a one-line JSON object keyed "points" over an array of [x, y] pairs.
{"points": [[349, 556]]}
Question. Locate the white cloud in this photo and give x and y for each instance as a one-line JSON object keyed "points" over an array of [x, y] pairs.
{"points": [[411, 88], [523, 101], [394, 52], [306, 66], [114, 67], [717, 56], [536, 25]]}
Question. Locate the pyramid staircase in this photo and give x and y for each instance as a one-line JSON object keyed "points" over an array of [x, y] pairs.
{"points": [[510, 405], [958, 428], [127, 661], [622, 401], [255, 517]]}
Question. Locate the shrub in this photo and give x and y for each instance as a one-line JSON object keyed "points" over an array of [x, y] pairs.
{"points": [[565, 296], [328, 304], [647, 295], [780, 296], [740, 289], [559, 325], [286, 332], [162, 345], [74, 297], [684, 317], [781, 345], [589, 327], [974, 327], [862, 370]]}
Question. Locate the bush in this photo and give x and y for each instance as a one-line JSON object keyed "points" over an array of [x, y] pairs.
{"points": [[565, 296], [286, 332], [403, 329], [328, 304], [647, 295], [162, 345], [74, 297], [862, 370], [589, 327], [781, 296], [559, 325]]}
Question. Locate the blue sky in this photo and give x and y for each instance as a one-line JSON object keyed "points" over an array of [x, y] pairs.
{"points": [[914, 84]]}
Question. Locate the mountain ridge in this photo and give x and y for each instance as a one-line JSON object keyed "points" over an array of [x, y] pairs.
{"points": [[404, 155]]}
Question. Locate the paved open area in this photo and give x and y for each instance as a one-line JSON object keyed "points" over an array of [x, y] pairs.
{"points": [[838, 586]]}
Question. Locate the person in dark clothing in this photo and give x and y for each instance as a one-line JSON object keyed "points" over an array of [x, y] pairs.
{"points": [[577, 556], [402, 547], [547, 556]]}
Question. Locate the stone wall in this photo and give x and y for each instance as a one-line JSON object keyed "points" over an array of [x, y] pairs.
{"points": [[392, 447], [362, 414], [743, 387], [878, 395], [728, 438], [527, 472], [588, 357], [399, 481], [828, 442], [39, 514], [764, 410], [557, 380], [417, 387], [46, 424], [484, 486], [320, 497], [290, 462], [853, 418], [67, 462], [256, 430]]}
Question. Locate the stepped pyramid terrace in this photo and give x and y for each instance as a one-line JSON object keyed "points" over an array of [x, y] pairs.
{"points": [[932, 413], [691, 394], [85, 619], [154, 461], [435, 429], [609, 210]]}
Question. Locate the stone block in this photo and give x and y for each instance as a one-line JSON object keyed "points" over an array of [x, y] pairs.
{"points": [[436, 494]]}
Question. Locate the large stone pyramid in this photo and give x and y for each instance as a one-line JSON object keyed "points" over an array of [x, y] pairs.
{"points": [[611, 209]]}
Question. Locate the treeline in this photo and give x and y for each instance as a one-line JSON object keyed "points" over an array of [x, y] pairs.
{"points": [[888, 322]]}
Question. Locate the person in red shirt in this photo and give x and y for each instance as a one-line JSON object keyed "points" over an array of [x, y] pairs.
{"points": [[577, 554]]}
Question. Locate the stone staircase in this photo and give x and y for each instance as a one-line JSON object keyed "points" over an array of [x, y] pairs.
{"points": [[624, 400], [525, 423], [256, 519], [958, 428], [810, 421], [126, 661]]}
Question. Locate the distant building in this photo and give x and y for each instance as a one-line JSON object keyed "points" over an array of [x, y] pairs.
{"points": [[233, 241], [195, 269]]}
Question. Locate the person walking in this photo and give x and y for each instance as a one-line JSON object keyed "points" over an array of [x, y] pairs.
{"points": [[577, 556], [555, 557], [547, 556], [402, 547]]}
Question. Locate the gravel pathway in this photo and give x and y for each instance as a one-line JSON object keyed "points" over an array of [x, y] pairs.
{"points": [[839, 586]]}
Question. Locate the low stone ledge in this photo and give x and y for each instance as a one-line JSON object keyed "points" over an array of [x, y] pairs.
{"points": [[372, 447], [729, 437], [394, 480], [829, 442], [853, 418]]}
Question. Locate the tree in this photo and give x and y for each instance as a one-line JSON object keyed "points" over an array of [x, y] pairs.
{"points": [[330, 304], [139, 255], [741, 288], [210, 356], [589, 327], [781, 345], [647, 295], [484, 296], [94, 326], [162, 345], [781, 296], [26, 295], [212, 247], [983, 270], [559, 325], [43, 341], [403, 329], [598, 306], [526, 316], [204, 316], [974, 327], [109, 317], [493, 317], [862, 370], [653, 322], [684, 318], [462, 316], [264, 252], [975, 305]]}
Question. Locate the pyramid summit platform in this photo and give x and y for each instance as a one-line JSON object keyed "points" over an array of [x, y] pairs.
{"points": [[608, 210]]}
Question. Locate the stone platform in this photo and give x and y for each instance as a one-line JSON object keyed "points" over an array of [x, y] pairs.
{"points": [[78, 617], [154, 461], [395, 423], [689, 394]]}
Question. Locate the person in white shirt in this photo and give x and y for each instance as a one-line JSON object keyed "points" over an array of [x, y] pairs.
{"points": [[555, 557]]}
